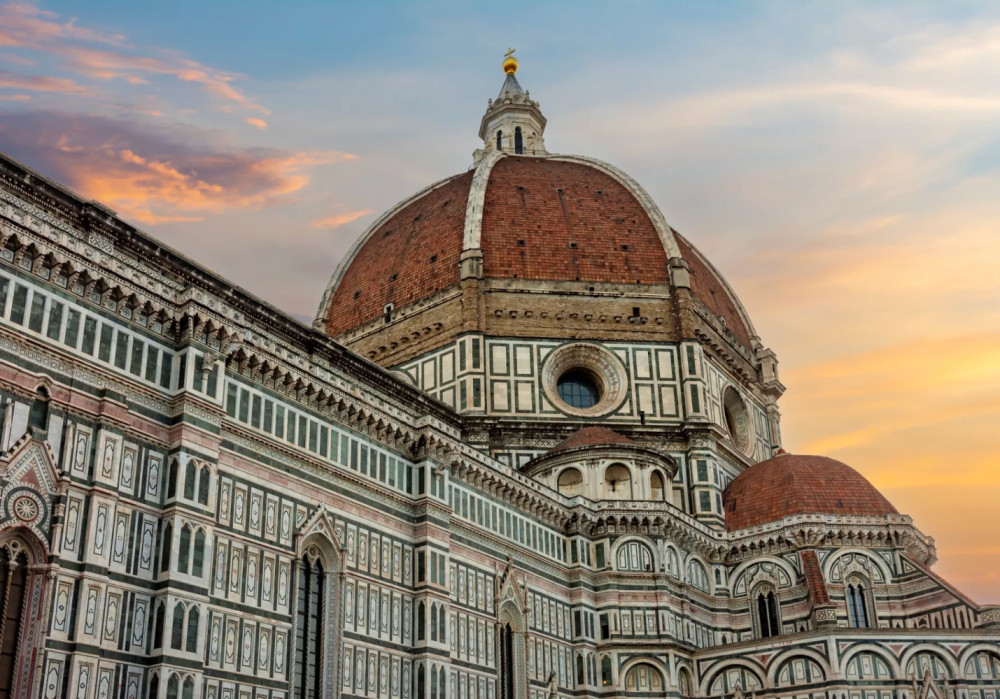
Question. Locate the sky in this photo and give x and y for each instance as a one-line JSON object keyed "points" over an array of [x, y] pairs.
{"points": [[838, 162]]}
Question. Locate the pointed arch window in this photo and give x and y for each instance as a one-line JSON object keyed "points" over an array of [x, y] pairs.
{"points": [[192, 630], [767, 612], [38, 414], [203, 481], [168, 534], [190, 475], [858, 608], [198, 554], [177, 630], [184, 550], [507, 662], [309, 626], [518, 141]]}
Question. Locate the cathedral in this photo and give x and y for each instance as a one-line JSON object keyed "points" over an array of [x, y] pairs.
{"points": [[530, 448]]}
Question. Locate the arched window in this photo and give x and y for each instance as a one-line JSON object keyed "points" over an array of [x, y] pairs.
{"points": [[172, 479], [421, 621], [173, 687], [190, 474], [192, 630], [198, 555], [158, 620], [697, 576], [684, 682], [570, 482], [606, 671], [421, 681], [168, 534], [858, 610], [38, 415], [184, 550], [154, 687], [579, 668], [434, 681], [766, 616], [657, 491], [434, 626], [643, 678], [618, 482], [507, 671], [188, 692], [203, 480], [13, 580], [309, 630], [499, 140], [518, 141], [441, 683], [441, 623], [177, 630]]}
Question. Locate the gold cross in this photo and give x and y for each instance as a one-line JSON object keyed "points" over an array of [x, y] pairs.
{"points": [[510, 52]]}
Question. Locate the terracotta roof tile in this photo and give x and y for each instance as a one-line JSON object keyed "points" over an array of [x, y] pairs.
{"points": [[553, 220], [412, 255], [711, 292], [789, 484], [591, 437]]}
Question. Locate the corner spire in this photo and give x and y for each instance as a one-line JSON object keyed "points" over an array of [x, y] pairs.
{"points": [[513, 123]]}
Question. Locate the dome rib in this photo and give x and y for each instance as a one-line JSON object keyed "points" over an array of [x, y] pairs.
{"points": [[789, 484]]}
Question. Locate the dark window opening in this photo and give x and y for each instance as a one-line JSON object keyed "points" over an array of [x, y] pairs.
{"points": [[499, 140], [857, 606], [767, 615], [507, 662], [518, 142], [309, 630], [13, 581], [38, 415]]}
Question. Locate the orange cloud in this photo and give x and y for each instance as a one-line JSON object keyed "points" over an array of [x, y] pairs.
{"points": [[259, 123], [338, 220], [156, 177]]}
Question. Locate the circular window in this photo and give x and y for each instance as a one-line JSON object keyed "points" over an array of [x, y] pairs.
{"points": [[584, 380], [578, 388]]}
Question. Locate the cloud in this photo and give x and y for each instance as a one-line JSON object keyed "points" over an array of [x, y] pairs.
{"points": [[40, 83], [336, 221], [157, 176], [259, 123], [106, 57]]}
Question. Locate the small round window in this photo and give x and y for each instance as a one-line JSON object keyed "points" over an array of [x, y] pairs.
{"points": [[578, 389]]}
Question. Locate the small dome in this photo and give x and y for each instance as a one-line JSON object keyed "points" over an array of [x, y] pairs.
{"points": [[591, 437], [790, 484]]}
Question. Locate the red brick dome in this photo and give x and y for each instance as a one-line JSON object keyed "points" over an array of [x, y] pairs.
{"points": [[790, 484], [551, 219]]}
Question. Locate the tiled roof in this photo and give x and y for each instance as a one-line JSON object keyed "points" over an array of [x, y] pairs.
{"points": [[814, 577], [542, 219], [792, 485], [591, 437], [553, 220], [705, 284], [413, 254]]}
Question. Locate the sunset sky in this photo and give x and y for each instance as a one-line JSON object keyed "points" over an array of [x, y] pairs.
{"points": [[839, 162]]}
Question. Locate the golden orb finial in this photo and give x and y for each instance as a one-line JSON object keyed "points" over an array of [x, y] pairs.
{"points": [[509, 62]]}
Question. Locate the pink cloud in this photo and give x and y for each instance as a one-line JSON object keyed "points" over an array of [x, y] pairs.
{"points": [[336, 221], [26, 27], [40, 83], [259, 123]]}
